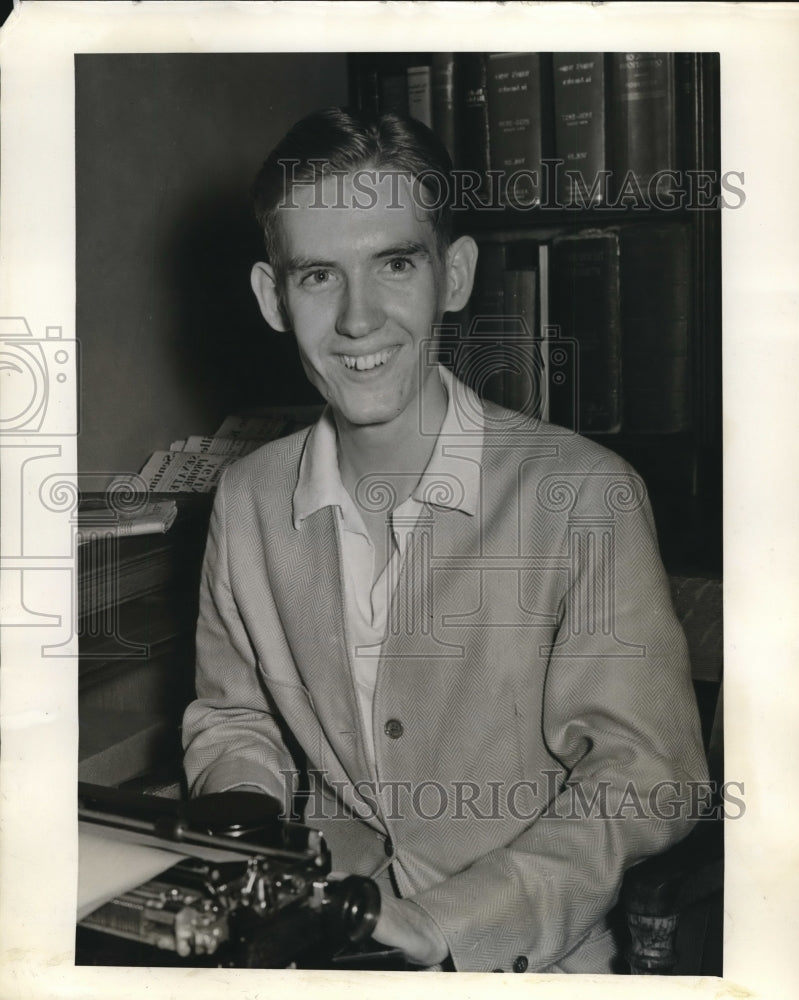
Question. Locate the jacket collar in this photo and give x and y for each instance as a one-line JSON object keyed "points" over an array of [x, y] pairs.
{"points": [[451, 478]]}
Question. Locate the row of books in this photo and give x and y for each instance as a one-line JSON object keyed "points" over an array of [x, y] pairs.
{"points": [[612, 127], [590, 330]]}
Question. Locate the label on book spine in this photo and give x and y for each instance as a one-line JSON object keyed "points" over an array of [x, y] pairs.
{"points": [[517, 125], [580, 128], [643, 126]]}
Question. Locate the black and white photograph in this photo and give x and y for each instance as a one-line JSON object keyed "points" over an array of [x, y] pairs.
{"points": [[393, 515]]}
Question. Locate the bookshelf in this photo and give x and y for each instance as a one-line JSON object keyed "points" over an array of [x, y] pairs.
{"points": [[627, 155]]}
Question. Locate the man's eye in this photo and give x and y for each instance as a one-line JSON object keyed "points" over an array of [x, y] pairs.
{"points": [[319, 276], [399, 265]]}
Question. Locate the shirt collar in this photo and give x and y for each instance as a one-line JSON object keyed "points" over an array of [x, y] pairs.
{"points": [[452, 476]]}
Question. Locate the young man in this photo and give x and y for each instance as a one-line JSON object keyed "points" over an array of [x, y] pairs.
{"points": [[453, 620]]}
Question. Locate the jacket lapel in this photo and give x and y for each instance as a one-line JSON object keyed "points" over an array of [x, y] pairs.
{"points": [[307, 584]]}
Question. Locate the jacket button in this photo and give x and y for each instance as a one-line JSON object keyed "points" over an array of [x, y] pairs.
{"points": [[389, 847], [520, 964], [394, 729]]}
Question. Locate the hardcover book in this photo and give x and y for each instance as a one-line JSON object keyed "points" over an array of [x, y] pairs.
{"points": [[585, 304], [471, 114], [643, 125], [656, 320], [580, 97], [518, 124], [443, 88]]}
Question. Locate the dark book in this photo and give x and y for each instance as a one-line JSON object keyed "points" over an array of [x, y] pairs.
{"points": [[643, 126], [443, 92], [393, 89], [580, 127], [366, 87], [481, 362], [524, 390], [420, 94], [585, 305], [471, 114], [519, 115], [656, 270]]}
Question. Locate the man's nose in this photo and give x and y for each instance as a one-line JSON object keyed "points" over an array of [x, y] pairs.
{"points": [[361, 310]]}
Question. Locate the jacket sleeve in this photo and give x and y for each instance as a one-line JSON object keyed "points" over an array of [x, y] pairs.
{"points": [[620, 717], [231, 732]]}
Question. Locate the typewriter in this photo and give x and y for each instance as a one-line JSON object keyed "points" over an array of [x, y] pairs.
{"points": [[247, 889]]}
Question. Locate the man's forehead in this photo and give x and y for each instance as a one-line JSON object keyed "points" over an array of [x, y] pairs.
{"points": [[367, 201]]}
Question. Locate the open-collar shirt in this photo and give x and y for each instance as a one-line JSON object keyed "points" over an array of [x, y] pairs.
{"points": [[451, 479]]}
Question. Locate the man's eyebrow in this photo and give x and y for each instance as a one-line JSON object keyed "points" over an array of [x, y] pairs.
{"points": [[408, 248], [306, 263]]}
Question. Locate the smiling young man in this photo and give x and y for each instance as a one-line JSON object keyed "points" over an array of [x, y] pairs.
{"points": [[454, 621]]}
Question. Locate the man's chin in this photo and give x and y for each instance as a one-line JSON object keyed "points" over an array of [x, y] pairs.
{"points": [[364, 416]]}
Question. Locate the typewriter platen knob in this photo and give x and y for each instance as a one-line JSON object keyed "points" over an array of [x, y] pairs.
{"points": [[355, 906]]}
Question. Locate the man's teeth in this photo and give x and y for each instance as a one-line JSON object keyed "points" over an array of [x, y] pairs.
{"points": [[366, 361]]}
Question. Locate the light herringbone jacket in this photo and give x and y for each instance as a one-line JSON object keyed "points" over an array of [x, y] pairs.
{"points": [[534, 719]]}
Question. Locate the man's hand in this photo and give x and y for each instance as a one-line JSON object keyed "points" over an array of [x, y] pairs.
{"points": [[403, 924]]}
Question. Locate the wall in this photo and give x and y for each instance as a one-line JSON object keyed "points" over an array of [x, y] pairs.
{"points": [[166, 149]]}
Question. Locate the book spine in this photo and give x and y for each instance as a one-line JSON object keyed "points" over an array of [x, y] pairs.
{"points": [[517, 124], [482, 359], [471, 111], [523, 389], [656, 311], [580, 125], [420, 94], [443, 99], [365, 86], [585, 304], [393, 92], [643, 123]]}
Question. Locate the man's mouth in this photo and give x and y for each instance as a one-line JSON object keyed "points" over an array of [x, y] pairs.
{"points": [[366, 362]]}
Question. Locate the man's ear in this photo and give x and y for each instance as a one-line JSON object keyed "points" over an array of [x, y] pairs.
{"points": [[461, 264], [264, 285]]}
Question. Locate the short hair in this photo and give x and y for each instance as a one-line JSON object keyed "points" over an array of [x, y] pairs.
{"points": [[340, 139]]}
